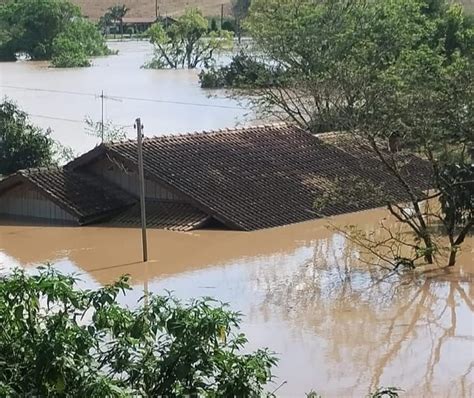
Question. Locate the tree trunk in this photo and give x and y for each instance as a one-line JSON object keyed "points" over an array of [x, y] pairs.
{"points": [[239, 31], [452, 257], [429, 246]]}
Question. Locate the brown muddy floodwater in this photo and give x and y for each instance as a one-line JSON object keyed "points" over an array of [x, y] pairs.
{"points": [[62, 98], [304, 294]]}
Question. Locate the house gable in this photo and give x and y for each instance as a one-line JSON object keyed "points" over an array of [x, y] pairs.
{"points": [[127, 179], [83, 197], [26, 201]]}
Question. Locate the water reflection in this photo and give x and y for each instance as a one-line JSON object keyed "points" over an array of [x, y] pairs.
{"points": [[336, 326]]}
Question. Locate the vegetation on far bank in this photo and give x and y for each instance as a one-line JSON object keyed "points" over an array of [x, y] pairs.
{"points": [[48, 30]]}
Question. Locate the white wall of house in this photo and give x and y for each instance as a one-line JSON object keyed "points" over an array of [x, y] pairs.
{"points": [[128, 180], [25, 201]]}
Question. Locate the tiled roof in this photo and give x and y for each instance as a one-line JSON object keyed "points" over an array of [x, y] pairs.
{"points": [[85, 197], [260, 177], [164, 215]]}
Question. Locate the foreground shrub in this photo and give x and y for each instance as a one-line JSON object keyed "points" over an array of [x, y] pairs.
{"points": [[58, 340]]}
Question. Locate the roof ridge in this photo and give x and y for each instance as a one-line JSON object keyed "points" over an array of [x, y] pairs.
{"points": [[202, 132], [33, 170]]}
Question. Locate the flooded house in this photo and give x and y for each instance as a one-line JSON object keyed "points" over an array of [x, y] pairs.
{"points": [[241, 179]]}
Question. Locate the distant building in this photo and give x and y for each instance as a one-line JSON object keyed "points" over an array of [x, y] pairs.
{"points": [[138, 24], [242, 179], [94, 9]]}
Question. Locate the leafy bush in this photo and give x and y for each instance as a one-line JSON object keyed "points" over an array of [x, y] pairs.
{"points": [[56, 338], [243, 72]]}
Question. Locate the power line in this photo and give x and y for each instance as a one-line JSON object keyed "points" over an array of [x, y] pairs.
{"points": [[125, 98], [58, 118], [62, 119], [50, 91]]}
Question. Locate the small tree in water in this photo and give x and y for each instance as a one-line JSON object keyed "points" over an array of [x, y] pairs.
{"points": [[116, 14], [186, 43]]}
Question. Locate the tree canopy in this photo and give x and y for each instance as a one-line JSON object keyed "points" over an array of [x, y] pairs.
{"points": [[22, 145], [76, 44], [324, 45], [45, 29], [240, 11], [395, 74], [115, 14], [187, 43]]}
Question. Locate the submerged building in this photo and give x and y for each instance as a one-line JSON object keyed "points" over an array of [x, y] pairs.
{"points": [[242, 179]]}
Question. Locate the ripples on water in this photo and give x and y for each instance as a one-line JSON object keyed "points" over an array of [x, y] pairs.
{"points": [[304, 294]]}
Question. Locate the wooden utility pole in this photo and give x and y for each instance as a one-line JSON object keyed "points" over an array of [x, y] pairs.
{"points": [[141, 176], [222, 14], [102, 119]]}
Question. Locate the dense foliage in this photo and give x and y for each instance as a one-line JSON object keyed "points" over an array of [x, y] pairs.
{"points": [[76, 44], [332, 49], [395, 74], [186, 43], [57, 340], [45, 29], [22, 145]]}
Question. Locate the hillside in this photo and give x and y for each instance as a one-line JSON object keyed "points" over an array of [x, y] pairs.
{"points": [[94, 9]]}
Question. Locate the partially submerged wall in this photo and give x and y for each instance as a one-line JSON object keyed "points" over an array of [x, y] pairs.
{"points": [[25, 201]]}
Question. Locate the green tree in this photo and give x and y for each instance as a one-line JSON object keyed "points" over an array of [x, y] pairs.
{"points": [[116, 14], [57, 340], [213, 25], [33, 25], [240, 11], [186, 43], [43, 29], [395, 74], [22, 145], [76, 44]]}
